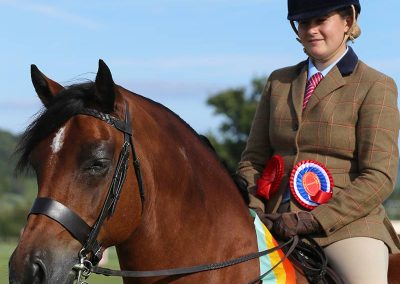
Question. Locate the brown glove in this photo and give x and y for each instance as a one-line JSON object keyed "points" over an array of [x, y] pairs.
{"points": [[289, 224], [267, 219]]}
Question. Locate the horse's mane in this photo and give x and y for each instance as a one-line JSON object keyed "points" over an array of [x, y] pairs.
{"points": [[69, 102], [240, 183]]}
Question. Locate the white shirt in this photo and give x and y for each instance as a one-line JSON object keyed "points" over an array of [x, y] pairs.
{"points": [[312, 69]]}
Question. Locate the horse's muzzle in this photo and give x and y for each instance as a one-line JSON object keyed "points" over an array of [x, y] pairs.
{"points": [[32, 269]]}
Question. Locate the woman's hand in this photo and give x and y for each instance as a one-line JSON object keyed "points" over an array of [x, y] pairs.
{"points": [[289, 224]]}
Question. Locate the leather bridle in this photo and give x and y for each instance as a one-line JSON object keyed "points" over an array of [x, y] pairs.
{"points": [[75, 225]]}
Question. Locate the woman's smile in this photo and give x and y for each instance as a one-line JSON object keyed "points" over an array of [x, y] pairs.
{"points": [[324, 38]]}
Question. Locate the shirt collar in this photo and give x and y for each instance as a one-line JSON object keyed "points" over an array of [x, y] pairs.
{"points": [[313, 70]]}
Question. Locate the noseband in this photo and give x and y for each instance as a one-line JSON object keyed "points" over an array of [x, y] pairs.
{"points": [[71, 221]]}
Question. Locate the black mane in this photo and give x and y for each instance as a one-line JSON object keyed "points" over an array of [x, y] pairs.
{"points": [[66, 104]]}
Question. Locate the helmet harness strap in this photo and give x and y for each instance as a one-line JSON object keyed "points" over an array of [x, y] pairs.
{"points": [[347, 35]]}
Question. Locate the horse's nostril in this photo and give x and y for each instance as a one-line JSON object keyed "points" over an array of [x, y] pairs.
{"points": [[38, 272]]}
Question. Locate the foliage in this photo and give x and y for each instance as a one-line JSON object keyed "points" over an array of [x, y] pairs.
{"points": [[16, 193], [237, 106]]}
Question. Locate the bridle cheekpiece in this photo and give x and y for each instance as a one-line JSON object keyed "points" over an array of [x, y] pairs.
{"points": [[72, 222]]}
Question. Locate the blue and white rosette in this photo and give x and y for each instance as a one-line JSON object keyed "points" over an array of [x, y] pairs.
{"points": [[311, 183]]}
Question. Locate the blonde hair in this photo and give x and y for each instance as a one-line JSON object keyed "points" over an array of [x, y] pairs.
{"points": [[355, 30]]}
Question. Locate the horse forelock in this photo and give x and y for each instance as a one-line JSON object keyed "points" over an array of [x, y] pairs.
{"points": [[65, 105]]}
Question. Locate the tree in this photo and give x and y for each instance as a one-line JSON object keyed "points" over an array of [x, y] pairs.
{"points": [[238, 106], [16, 192]]}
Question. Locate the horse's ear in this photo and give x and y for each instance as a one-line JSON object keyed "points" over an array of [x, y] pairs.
{"points": [[105, 87], [45, 88]]}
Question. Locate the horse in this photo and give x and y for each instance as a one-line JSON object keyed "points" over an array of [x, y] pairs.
{"points": [[117, 169]]}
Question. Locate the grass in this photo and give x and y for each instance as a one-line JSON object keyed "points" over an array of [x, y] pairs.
{"points": [[6, 248]]}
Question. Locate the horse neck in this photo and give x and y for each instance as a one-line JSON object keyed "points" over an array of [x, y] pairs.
{"points": [[190, 199]]}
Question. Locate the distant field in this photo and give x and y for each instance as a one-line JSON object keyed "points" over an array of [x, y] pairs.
{"points": [[5, 252], [7, 248]]}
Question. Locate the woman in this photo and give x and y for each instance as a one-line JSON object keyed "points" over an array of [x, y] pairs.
{"points": [[336, 139]]}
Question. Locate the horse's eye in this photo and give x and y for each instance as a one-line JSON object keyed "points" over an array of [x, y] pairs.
{"points": [[97, 167]]}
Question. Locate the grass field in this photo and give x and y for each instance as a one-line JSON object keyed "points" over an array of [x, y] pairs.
{"points": [[7, 248]]}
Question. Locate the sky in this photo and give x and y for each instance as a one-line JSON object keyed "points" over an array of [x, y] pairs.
{"points": [[176, 52]]}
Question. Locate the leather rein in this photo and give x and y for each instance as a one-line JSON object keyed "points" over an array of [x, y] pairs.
{"points": [[91, 252]]}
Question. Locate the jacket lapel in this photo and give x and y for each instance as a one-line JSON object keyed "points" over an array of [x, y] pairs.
{"points": [[298, 88], [333, 81]]}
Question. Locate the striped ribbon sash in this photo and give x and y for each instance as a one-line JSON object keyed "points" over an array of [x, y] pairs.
{"points": [[284, 273]]}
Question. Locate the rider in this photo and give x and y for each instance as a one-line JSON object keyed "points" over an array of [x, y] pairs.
{"points": [[335, 140]]}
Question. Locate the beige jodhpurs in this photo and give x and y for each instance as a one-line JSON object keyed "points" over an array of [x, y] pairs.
{"points": [[359, 260]]}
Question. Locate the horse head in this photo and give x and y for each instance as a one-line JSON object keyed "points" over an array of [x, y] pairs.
{"points": [[79, 148]]}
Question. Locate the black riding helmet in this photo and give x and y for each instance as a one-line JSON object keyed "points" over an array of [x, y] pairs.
{"points": [[306, 9]]}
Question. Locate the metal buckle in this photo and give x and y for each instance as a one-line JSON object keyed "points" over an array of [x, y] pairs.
{"points": [[83, 268]]}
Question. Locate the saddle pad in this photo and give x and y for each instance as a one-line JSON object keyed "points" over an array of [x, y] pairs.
{"points": [[284, 273]]}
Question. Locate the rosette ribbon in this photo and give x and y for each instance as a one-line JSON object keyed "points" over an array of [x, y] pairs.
{"points": [[311, 183], [271, 177]]}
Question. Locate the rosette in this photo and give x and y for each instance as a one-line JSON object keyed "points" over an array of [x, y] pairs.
{"points": [[311, 183], [271, 177]]}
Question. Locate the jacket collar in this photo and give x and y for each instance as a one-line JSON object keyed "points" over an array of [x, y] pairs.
{"points": [[348, 63], [334, 80]]}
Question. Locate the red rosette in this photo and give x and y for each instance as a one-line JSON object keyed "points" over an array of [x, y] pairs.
{"points": [[311, 183], [271, 177]]}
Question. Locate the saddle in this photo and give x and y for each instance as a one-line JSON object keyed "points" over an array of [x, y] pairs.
{"points": [[310, 258]]}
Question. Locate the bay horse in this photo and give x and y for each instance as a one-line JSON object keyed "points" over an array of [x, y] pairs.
{"points": [[177, 206]]}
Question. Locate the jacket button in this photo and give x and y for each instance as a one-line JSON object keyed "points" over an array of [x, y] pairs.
{"points": [[296, 126], [331, 230]]}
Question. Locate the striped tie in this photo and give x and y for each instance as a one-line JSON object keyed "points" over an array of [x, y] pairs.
{"points": [[310, 87]]}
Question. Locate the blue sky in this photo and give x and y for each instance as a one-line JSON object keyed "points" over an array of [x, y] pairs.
{"points": [[175, 52]]}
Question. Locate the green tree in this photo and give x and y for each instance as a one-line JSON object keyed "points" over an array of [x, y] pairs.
{"points": [[16, 193], [237, 106]]}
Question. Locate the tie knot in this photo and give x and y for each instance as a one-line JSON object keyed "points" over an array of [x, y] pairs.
{"points": [[314, 80]]}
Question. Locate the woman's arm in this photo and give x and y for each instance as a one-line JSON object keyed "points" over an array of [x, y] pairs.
{"points": [[257, 151], [377, 149]]}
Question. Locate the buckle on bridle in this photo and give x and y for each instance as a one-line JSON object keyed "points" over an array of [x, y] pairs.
{"points": [[83, 268]]}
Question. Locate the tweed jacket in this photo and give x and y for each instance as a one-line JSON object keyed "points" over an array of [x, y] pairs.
{"points": [[350, 125]]}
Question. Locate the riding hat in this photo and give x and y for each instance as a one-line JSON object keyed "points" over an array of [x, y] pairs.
{"points": [[306, 9]]}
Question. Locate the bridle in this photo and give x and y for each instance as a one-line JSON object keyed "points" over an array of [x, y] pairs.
{"points": [[71, 221], [91, 252]]}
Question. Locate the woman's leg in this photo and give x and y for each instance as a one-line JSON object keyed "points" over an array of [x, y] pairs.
{"points": [[359, 260]]}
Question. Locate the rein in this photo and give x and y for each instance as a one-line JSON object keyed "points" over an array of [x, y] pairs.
{"points": [[292, 243], [87, 235]]}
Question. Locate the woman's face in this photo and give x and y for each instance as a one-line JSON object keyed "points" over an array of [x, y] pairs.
{"points": [[323, 36]]}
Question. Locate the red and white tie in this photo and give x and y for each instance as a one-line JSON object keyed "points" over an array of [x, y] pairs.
{"points": [[310, 87]]}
